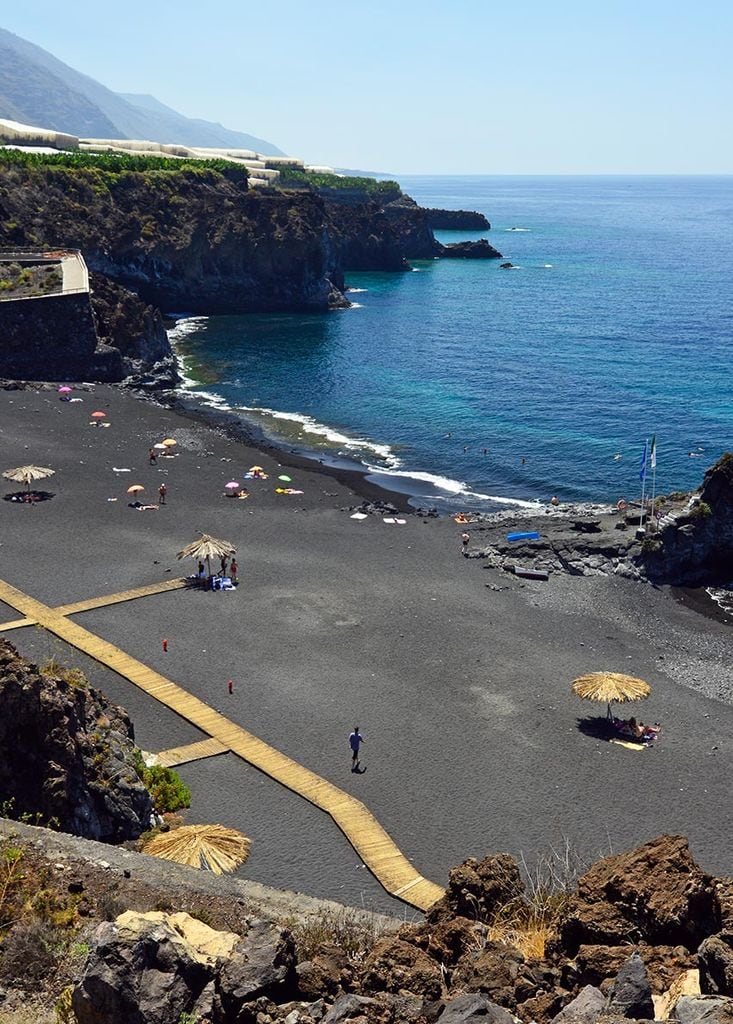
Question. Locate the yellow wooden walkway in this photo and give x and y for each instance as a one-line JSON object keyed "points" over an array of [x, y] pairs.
{"points": [[191, 752], [101, 602], [366, 835]]}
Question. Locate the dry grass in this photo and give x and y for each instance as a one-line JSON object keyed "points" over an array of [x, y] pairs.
{"points": [[528, 922], [353, 931], [211, 847]]}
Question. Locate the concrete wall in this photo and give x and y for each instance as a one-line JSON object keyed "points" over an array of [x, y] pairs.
{"points": [[54, 338]]}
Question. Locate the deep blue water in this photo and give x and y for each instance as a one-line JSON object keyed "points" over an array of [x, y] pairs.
{"points": [[619, 325]]}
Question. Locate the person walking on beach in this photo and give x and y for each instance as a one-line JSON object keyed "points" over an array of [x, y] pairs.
{"points": [[355, 741], [162, 491], [465, 538], [152, 457]]}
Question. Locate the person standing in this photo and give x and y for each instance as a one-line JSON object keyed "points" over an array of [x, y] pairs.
{"points": [[162, 491], [465, 538], [233, 568], [355, 741], [223, 564], [152, 457]]}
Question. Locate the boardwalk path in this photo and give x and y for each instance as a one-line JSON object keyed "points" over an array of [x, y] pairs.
{"points": [[375, 847]]}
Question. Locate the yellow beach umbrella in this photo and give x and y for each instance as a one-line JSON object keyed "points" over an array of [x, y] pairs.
{"points": [[135, 489], [610, 687], [168, 442]]}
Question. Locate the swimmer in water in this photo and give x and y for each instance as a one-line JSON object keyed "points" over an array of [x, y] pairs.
{"points": [[617, 456]]}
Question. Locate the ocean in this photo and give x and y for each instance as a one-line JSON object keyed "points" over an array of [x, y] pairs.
{"points": [[472, 387]]}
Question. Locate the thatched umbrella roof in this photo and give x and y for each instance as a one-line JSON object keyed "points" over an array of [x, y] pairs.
{"points": [[609, 687], [27, 474], [211, 847], [208, 547]]}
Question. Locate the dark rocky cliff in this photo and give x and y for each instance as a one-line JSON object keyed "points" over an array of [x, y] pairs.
{"points": [[191, 240], [698, 546], [66, 753]]}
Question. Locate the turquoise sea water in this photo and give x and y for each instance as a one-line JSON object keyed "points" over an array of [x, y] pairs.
{"points": [[618, 325]]}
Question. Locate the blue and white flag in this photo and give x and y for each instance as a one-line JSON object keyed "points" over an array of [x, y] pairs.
{"points": [[642, 467]]}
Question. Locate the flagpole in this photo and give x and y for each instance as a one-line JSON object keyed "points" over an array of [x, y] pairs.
{"points": [[654, 477], [643, 483]]}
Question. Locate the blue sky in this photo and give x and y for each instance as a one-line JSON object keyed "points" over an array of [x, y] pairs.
{"points": [[463, 87]]}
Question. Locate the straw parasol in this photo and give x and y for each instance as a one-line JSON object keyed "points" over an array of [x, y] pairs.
{"points": [[610, 687], [135, 489], [27, 474], [211, 847], [208, 547]]}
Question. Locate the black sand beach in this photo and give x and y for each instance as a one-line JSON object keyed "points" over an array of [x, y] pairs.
{"points": [[459, 676]]}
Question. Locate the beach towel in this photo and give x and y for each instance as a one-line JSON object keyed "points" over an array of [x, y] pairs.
{"points": [[359, 515], [400, 522], [116, 469], [389, 520], [628, 744]]}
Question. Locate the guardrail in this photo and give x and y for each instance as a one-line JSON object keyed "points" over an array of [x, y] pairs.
{"points": [[52, 295]]}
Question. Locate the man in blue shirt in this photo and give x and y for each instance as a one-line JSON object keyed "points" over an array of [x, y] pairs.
{"points": [[355, 741]]}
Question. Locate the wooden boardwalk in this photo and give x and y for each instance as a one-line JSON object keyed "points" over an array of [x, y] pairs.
{"points": [[375, 847], [191, 752]]}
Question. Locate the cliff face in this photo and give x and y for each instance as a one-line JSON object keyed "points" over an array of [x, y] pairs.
{"points": [[190, 240], [698, 546], [66, 752]]}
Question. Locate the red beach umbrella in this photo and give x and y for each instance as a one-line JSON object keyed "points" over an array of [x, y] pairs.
{"points": [[98, 415], [65, 390]]}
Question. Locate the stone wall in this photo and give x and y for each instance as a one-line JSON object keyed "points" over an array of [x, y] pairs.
{"points": [[54, 338]]}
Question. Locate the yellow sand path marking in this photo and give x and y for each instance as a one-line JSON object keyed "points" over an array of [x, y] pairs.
{"points": [[191, 752], [373, 844]]}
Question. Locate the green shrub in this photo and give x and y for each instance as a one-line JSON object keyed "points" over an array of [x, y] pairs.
{"points": [[166, 787], [292, 177], [701, 511], [114, 164]]}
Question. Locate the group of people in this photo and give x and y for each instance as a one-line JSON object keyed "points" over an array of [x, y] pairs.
{"points": [[636, 730], [225, 564]]}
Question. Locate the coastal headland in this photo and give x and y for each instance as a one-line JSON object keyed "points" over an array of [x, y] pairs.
{"points": [[458, 674]]}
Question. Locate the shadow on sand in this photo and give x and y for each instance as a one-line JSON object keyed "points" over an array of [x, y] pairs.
{"points": [[597, 727], [28, 497]]}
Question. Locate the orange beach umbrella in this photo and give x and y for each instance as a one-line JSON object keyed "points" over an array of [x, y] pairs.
{"points": [[135, 489], [98, 415]]}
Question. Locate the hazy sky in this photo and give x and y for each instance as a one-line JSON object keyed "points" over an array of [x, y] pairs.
{"points": [[460, 86]]}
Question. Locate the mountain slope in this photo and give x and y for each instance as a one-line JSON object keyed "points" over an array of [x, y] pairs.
{"points": [[191, 131], [37, 88]]}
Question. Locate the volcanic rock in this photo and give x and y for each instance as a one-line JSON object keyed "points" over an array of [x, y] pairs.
{"points": [[473, 1008], [395, 966], [631, 993], [715, 961], [584, 1009], [476, 889], [655, 893], [478, 250], [263, 964], [149, 969], [67, 753], [704, 1010]]}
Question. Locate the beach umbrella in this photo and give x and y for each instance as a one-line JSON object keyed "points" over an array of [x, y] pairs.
{"points": [[27, 474], [168, 442], [98, 415], [287, 479], [232, 486], [135, 489], [256, 469], [65, 390], [211, 847], [610, 687], [208, 547]]}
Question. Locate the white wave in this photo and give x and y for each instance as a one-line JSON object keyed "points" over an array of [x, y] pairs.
{"points": [[517, 229], [186, 325], [355, 291], [547, 266], [354, 305], [455, 487], [312, 426]]}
